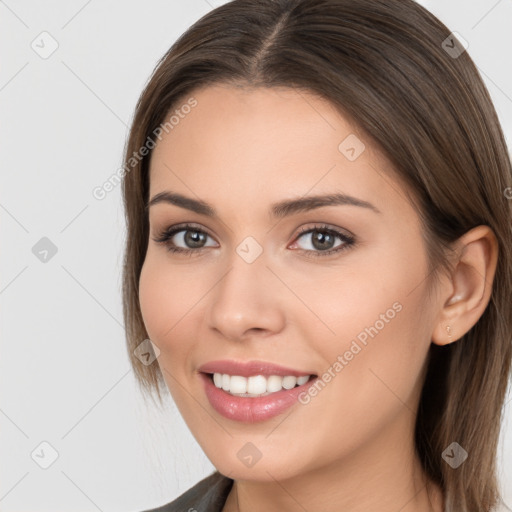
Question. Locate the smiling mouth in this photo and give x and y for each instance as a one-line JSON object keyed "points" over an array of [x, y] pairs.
{"points": [[256, 385]]}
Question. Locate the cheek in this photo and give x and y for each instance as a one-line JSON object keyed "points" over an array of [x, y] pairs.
{"points": [[154, 302], [384, 340], [170, 299], [166, 295], [378, 319], [162, 304], [376, 294]]}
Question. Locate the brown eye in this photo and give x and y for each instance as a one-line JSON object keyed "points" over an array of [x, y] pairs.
{"points": [[321, 241], [184, 239], [194, 239]]}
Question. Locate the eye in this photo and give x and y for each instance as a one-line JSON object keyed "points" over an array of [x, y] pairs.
{"points": [[321, 240], [184, 239], [188, 239]]}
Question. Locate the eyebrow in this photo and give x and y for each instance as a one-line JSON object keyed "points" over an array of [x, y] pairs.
{"points": [[278, 210]]}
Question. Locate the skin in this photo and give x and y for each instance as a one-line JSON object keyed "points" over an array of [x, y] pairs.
{"points": [[351, 447]]}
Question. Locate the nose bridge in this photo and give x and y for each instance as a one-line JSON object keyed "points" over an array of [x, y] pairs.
{"points": [[244, 298], [247, 269]]}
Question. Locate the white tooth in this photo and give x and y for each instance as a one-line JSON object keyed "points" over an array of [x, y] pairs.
{"points": [[226, 379], [238, 384], [289, 382], [217, 379], [274, 383], [257, 385]]}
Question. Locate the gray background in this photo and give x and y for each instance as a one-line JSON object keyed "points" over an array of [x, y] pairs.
{"points": [[65, 376]]}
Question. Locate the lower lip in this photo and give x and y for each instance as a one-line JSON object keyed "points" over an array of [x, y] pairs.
{"points": [[251, 410]]}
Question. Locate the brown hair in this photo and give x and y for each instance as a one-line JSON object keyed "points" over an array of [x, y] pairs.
{"points": [[393, 70]]}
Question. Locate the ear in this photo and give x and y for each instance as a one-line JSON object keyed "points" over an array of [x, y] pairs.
{"points": [[468, 291]]}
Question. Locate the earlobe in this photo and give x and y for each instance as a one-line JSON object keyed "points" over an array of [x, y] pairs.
{"points": [[470, 286]]}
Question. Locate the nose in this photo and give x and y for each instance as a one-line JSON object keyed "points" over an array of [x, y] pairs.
{"points": [[247, 301]]}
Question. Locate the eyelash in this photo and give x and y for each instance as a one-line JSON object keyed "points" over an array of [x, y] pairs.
{"points": [[165, 236]]}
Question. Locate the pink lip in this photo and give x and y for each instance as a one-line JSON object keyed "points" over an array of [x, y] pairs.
{"points": [[251, 410], [249, 368]]}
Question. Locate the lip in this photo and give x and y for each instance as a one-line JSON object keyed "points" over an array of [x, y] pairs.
{"points": [[250, 368], [251, 410], [247, 409]]}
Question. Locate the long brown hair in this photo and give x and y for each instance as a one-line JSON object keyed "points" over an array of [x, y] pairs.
{"points": [[396, 72]]}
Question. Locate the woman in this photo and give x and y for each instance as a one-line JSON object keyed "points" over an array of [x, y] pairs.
{"points": [[319, 249]]}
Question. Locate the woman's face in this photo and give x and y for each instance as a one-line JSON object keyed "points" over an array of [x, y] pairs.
{"points": [[336, 290]]}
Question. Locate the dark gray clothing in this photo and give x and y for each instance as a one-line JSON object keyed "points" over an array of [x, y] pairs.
{"points": [[208, 495]]}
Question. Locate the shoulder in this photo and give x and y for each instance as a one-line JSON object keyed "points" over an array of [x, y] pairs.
{"points": [[208, 495]]}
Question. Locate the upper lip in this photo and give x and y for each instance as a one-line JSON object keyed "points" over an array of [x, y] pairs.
{"points": [[250, 368]]}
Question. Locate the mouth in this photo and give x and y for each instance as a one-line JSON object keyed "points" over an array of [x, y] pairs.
{"points": [[256, 385], [253, 391], [254, 398]]}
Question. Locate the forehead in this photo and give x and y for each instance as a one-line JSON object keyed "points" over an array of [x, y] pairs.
{"points": [[241, 145]]}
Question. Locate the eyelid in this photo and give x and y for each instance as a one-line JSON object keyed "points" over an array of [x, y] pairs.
{"points": [[168, 232], [322, 226], [184, 226]]}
